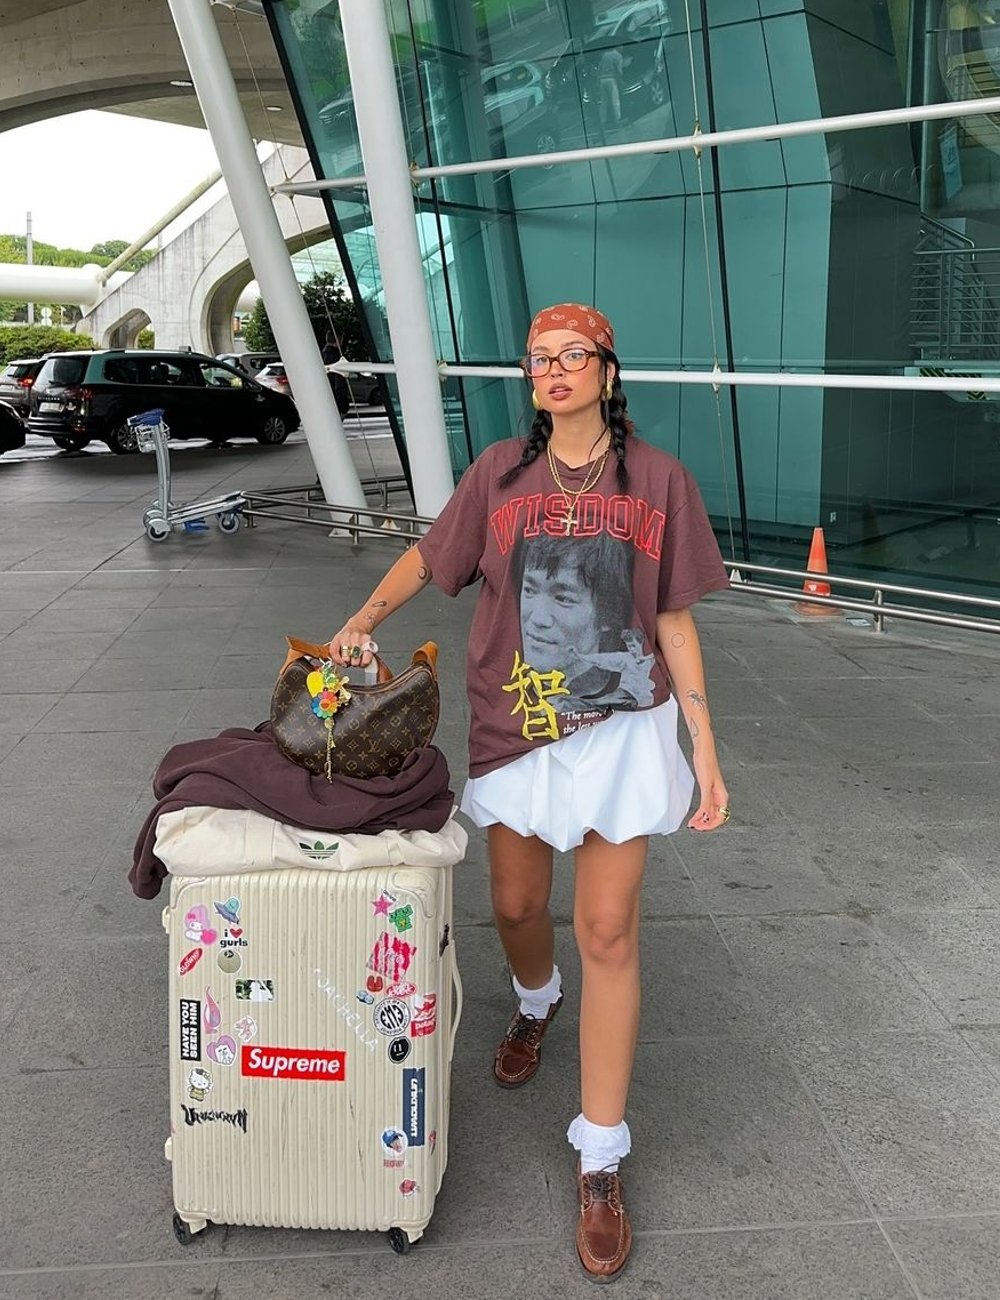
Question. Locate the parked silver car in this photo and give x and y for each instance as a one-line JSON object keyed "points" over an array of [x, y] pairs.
{"points": [[16, 380]]}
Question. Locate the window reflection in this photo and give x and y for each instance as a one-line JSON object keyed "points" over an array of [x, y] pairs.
{"points": [[872, 252]]}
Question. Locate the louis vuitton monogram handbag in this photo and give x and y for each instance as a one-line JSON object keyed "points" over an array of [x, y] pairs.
{"points": [[325, 720]]}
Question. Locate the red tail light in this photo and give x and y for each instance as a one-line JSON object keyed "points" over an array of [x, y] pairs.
{"points": [[26, 382], [72, 396]]}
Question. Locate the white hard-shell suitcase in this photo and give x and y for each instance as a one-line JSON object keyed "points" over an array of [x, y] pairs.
{"points": [[312, 1022]]}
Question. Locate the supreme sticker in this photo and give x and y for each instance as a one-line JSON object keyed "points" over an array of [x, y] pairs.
{"points": [[292, 1063], [413, 1107]]}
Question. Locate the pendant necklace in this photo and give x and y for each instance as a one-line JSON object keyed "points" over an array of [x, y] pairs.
{"points": [[573, 497]]}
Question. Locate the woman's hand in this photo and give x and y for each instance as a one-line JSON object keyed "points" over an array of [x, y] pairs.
{"points": [[713, 810], [352, 646]]}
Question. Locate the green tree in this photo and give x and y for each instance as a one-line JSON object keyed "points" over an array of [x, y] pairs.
{"points": [[146, 339], [36, 340], [331, 310], [109, 249], [106, 252], [257, 329]]}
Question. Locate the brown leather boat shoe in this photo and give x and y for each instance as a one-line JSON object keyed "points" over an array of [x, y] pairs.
{"points": [[603, 1232], [517, 1057]]}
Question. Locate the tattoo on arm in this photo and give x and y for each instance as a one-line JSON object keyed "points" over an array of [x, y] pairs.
{"points": [[423, 574], [678, 639], [693, 728], [378, 604], [369, 620], [698, 700]]}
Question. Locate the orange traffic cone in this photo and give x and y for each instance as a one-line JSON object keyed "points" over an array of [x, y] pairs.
{"points": [[815, 586]]}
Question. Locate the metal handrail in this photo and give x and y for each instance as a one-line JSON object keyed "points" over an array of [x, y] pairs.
{"points": [[872, 584], [400, 526], [878, 610]]}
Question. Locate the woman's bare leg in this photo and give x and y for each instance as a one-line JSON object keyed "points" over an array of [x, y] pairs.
{"points": [[520, 885], [606, 923]]}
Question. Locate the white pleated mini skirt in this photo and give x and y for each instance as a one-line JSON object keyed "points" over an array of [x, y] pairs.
{"points": [[624, 777]]}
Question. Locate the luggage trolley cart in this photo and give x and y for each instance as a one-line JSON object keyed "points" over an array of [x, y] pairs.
{"points": [[163, 516]]}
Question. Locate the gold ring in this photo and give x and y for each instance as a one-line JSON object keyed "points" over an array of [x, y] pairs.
{"points": [[345, 651], [725, 814]]}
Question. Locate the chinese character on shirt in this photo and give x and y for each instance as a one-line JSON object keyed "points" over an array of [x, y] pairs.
{"points": [[534, 691]]}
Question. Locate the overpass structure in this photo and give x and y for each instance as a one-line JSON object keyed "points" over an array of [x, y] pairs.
{"points": [[63, 56], [187, 293]]}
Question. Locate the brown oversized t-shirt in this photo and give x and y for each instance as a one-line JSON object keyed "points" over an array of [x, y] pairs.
{"points": [[564, 631]]}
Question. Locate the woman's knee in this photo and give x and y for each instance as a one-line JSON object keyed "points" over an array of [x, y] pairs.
{"points": [[515, 907], [520, 877], [607, 940]]}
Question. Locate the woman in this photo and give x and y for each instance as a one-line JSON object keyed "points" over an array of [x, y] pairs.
{"points": [[591, 546]]}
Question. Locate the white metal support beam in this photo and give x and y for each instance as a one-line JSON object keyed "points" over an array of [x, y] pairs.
{"points": [[248, 191], [677, 144], [390, 195]]}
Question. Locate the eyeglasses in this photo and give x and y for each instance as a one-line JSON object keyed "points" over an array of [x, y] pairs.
{"points": [[537, 364]]}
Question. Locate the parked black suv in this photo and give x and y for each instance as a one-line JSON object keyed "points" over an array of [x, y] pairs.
{"points": [[16, 379], [79, 396], [11, 429]]}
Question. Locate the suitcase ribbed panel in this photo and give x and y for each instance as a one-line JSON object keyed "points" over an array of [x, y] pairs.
{"points": [[305, 1149]]}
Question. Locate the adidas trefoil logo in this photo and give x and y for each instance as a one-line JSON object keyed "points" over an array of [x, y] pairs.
{"points": [[319, 851]]}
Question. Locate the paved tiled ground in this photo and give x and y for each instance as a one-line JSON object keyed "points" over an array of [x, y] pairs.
{"points": [[816, 1107]]}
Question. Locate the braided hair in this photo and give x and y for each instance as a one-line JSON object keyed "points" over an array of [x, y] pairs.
{"points": [[613, 413]]}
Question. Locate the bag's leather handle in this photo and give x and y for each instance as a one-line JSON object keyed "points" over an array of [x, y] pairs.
{"points": [[427, 654], [298, 649]]}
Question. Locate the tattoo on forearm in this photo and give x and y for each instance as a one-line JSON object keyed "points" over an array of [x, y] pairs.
{"points": [[693, 728], [678, 639], [423, 574], [698, 700], [379, 604], [369, 620]]}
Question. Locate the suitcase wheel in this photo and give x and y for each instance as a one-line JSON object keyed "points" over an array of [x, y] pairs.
{"points": [[399, 1241], [183, 1231]]}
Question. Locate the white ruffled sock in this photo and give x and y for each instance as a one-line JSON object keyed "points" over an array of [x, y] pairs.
{"points": [[600, 1146], [538, 1002]]}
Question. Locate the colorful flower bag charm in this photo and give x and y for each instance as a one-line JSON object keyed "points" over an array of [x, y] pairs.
{"points": [[329, 694], [376, 726]]}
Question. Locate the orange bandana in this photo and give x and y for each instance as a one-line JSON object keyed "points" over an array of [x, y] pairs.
{"points": [[588, 321]]}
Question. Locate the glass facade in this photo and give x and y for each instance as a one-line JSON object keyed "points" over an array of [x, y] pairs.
{"points": [[861, 252]]}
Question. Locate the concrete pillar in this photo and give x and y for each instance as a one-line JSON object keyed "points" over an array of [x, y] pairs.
{"points": [[390, 196], [293, 333]]}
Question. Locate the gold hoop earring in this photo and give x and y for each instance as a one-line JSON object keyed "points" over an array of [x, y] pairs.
{"points": [[534, 400], [609, 388]]}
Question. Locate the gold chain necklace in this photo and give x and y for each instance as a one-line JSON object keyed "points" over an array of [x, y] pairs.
{"points": [[573, 498]]}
